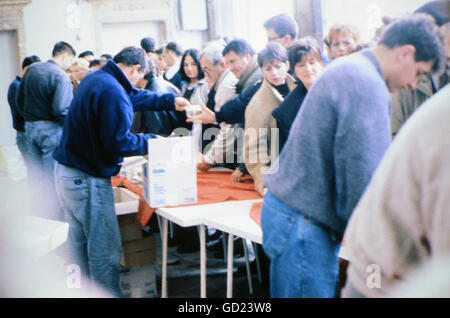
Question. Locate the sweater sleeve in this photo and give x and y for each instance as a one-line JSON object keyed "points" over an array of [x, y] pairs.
{"points": [[257, 158], [62, 97], [115, 115], [143, 99]]}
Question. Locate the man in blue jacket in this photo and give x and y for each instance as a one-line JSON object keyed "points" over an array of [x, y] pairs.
{"points": [[94, 141], [334, 146]]}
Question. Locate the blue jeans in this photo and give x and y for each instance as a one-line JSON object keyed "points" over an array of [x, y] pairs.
{"points": [[94, 236], [42, 138], [21, 142], [303, 254]]}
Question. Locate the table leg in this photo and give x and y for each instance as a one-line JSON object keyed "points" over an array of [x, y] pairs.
{"points": [[247, 265], [230, 266], [164, 260], [202, 262], [258, 266]]}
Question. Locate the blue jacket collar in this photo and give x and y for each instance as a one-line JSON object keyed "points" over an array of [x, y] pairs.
{"points": [[112, 68]]}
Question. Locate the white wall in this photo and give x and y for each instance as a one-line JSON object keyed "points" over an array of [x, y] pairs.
{"points": [[366, 15], [9, 70], [49, 21]]}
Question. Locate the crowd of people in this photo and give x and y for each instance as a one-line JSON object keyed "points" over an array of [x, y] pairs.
{"points": [[313, 129]]}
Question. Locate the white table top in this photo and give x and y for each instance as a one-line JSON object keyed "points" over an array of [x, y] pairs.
{"points": [[237, 221], [197, 214]]}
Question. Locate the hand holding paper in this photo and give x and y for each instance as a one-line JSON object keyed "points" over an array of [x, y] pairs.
{"points": [[181, 103], [206, 116]]}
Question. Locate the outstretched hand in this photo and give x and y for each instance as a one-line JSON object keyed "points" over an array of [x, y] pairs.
{"points": [[181, 103], [207, 116]]}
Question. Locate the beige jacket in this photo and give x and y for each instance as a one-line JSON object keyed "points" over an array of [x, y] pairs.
{"points": [[261, 136], [406, 101], [403, 218]]}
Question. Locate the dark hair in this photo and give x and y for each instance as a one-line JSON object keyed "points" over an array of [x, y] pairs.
{"points": [[63, 47], [107, 56], [86, 53], [159, 51], [151, 69], [420, 31], [439, 10], [238, 46], [283, 24], [194, 54], [174, 47], [272, 51], [148, 44], [95, 62], [301, 48], [30, 60], [130, 56]]}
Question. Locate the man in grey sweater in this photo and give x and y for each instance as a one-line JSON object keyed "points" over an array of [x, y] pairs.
{"points": [[335, 144], [43, 99]]}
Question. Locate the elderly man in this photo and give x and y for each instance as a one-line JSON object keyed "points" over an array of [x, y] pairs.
{"points": [[242, 62], [222, 82], [335, 144]]}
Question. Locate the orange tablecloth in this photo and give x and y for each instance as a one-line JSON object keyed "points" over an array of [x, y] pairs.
{"points": [[212, 187]]}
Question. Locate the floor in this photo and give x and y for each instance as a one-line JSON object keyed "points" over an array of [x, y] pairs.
{"points": [[184, 277]]}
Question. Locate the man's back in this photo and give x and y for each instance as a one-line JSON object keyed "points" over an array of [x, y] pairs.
{"points": [[336, 142], [47, 92]]}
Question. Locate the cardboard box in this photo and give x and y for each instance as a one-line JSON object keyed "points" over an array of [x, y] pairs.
{"points": [[130, 228], [170, 176], [139, 281], [139, 252], [125, 201]]}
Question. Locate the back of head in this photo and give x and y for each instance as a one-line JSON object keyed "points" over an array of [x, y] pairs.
{"points": [[130, 56], [439, 10], [148, 44], [302, 47], [238, 46], [81, 63], [174, 47], [151, 70], [63, 47], [273, 51], [86, 53], [420, 31], [95, 62], [283, 24], [107, 56], [30, 60]]}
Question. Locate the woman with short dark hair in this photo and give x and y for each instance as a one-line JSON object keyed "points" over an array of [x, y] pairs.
{"points": [[277, 84], [305, 60]]}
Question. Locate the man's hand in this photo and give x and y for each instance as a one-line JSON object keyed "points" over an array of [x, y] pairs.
{"points": [[259, 187], [181, 103], [206, 117], [202, 165], [236, 175]]}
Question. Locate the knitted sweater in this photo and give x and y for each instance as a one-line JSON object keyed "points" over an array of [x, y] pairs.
{"points": [[336, 142]]}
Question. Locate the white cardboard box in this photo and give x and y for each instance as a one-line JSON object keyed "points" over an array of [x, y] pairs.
{"points": [[125, 201], [170, 176]]}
